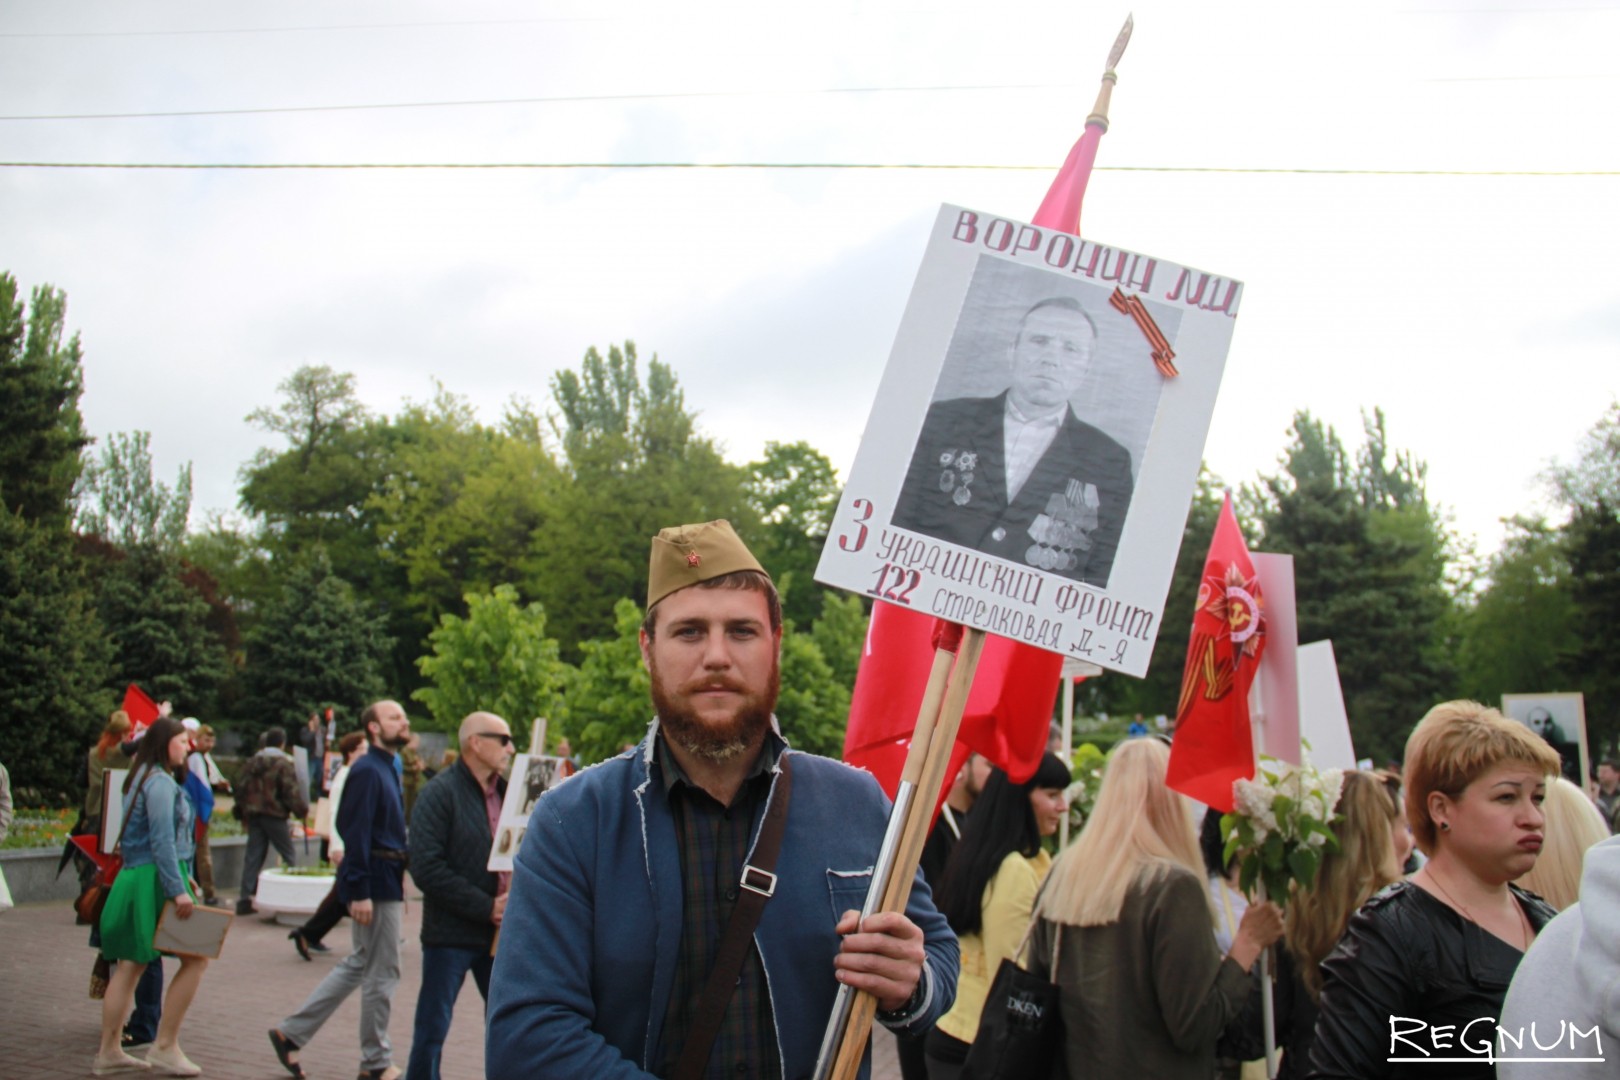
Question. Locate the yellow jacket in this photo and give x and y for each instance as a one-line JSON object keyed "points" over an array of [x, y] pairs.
{"points": [[1008, 901]]}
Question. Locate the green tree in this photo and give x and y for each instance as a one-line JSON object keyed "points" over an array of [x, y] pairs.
{"points": [[158, 627], [1594, 475], [40, 382], [53, 661], [316, 645], [813, 707], [1593, 548], [840, 634], [634, 465], [608, 703], [317, 492], [1519, 633], [459, 509], [1364, 579], [793, 490], [496, 659], [121, 501]]}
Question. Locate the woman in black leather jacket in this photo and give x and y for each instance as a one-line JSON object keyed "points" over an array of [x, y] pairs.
{"points": [[1415, 987]]}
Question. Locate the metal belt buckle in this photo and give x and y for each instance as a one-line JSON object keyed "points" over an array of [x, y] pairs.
{"points": [[766, 888]]}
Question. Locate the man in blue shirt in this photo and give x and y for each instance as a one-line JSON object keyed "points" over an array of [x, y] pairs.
{"points": [[371, 883], [629, 872]]}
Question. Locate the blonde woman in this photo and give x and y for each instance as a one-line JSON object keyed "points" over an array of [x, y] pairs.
{"points": [[1146, 991], [1346, 879], [1573, 825], [1439, 949]]}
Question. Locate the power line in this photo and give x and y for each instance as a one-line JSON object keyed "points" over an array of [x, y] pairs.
{"points": [[1532, 9], [302, 29], [560, 99], [779, 165], [563, 99]]}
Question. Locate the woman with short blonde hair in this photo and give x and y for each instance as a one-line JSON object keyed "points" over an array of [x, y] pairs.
{"points": [[1146, 991], [1573, 825], [1439, 949]]}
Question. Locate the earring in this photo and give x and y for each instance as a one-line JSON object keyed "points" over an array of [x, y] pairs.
{"points": [[1445, 826]]}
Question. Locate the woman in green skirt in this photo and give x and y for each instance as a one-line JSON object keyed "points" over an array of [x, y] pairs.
{"points": [[158, 844]]}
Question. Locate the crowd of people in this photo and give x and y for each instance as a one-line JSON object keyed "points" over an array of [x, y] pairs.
{"points": [[693, 906]]}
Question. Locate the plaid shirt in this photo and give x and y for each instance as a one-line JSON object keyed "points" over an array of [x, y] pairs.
{"points": [[714, 842]]}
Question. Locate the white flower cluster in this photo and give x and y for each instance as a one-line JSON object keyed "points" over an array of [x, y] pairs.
{"points": [[1308, 796]]}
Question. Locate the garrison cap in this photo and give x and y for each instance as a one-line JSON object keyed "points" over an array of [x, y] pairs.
{"points": [[687, 554]]}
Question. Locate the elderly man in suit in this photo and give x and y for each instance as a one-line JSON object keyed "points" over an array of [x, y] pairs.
{"points": [[1019, 476]]}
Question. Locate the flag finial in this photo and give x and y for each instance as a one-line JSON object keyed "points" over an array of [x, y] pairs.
{"points": [[1099, 110]]}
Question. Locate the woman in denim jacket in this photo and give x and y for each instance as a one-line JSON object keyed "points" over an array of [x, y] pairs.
{"points": [[158, 844]]}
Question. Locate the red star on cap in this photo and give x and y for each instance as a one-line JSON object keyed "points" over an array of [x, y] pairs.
{"points": [[693, 558]]}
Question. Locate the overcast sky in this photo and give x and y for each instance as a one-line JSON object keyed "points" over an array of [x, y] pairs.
{"points": [[1478, 306]]}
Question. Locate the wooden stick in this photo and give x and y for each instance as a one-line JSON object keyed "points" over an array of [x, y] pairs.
{"points": [[898, 889], [910, 774]]}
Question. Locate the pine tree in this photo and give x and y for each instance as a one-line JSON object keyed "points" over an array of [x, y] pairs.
{"points": [[317, 645], [53, 662], [40, 383]]}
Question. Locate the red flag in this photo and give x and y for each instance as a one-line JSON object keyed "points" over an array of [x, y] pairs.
{"points": [[142, 710], [1214, 745], [1009, 710]]}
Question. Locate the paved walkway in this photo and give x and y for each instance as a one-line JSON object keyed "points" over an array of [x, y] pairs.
{"points": [[49, 1026]]}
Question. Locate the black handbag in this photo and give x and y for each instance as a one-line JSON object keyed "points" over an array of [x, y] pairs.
{"points": [[1020, 1034]]}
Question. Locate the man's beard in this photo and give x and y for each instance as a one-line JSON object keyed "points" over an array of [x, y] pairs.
{"points": [[715, 740], [398, 742]]}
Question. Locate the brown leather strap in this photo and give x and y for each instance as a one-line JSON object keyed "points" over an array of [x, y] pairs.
{"points": [[757, 884]]}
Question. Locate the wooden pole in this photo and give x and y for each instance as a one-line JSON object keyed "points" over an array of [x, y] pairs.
{"points": [[896, 891]]}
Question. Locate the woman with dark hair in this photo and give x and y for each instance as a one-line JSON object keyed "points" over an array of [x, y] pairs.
{"points": [[988, 892], [158, 842]]}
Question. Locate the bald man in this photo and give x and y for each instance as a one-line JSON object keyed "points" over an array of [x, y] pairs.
{"points": [[452, 828]]}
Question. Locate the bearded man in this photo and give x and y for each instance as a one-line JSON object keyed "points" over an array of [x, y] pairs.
{"points": [[630, 873], [370, 881]]}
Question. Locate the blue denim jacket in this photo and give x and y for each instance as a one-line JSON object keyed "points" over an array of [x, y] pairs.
{"points": [[160, 828], [592, 928]]}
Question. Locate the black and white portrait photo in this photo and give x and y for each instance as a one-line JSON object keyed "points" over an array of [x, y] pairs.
{"points": [[1560, 719], [1030, 448], [539, 776]]}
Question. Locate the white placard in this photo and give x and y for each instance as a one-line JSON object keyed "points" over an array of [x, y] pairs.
{"points": [[531, 776], [1115, 358], [1274, 696], [1322, 719], [112, 808], [300, 756]]}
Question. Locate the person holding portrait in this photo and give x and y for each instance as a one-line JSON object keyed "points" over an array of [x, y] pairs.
{"points": [[1019, 475]]}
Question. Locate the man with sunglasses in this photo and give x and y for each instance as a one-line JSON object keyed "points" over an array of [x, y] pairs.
{"points": [[452, 829]]}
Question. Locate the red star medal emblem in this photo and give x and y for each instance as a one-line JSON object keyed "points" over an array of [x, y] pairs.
{"points": [[693, 558]]}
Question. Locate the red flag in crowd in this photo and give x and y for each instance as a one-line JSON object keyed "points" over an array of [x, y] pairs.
{"points": [[1009, 710], [142, 710], [1214, 744]]}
